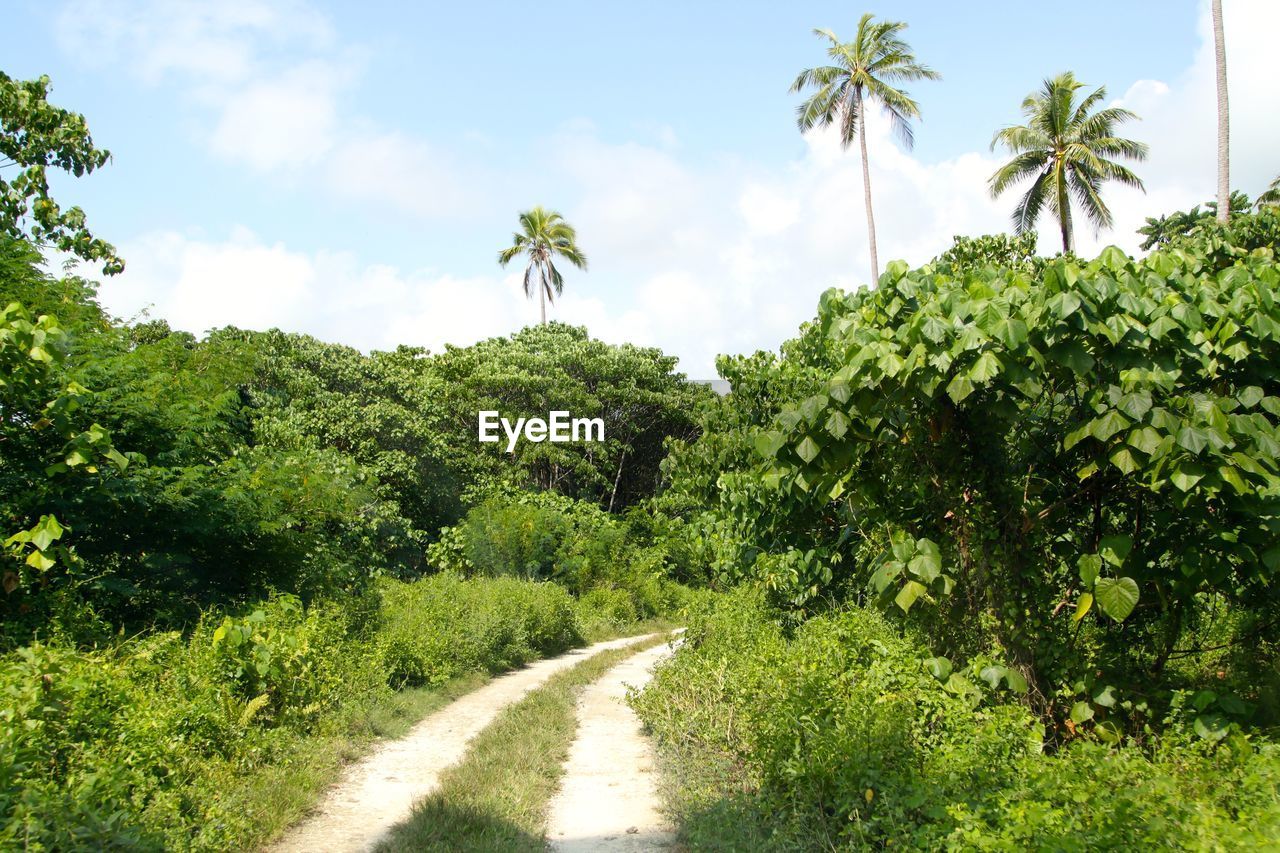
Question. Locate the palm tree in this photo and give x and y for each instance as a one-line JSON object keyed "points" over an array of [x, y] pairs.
{"points": [[544, 234], [1272, 194], [863, 70], [1064, 147], [1224, 123]]}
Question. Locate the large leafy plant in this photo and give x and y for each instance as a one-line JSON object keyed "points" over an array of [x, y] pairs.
{"points": [[1094, 445]]}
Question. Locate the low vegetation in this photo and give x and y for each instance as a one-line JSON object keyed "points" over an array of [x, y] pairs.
{"points": [[846, 733], [146, 744]]}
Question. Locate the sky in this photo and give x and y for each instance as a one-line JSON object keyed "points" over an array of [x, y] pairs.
{"points": [[351, 170]]}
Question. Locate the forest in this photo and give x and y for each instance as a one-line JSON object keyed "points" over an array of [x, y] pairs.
{"points": [[985, 557]]}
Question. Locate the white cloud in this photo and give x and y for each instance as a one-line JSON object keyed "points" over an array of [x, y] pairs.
{"points": [[267, 78], [283, 122], [197, 284], [219, 41]]}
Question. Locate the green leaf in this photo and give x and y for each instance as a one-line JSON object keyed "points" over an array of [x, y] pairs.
{"points": [[1212, 727], [1115, 548], [1108, 425], [1074, 356], [1016, 682], [939, 668], [959, 388], [1089, 566], [1123, 458], [769, 443], [837, 423], [1250, 396], [885, 575], [1081, 712], [926, 566], [39, 561], [993, 674], [1186, 475], [1082, 608], [808, 449], [1193, 439], [1145, 439], [908, 595], [986, 368], [1136, 404], [1116, 596], [1203, 699]]}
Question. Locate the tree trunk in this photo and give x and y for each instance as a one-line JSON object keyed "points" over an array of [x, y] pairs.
{"points": [[542, 295], [1064, 218], [616, 480], [866, 188], [1224, 123]]}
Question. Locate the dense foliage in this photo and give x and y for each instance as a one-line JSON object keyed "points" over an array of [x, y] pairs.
{"points": [[1075, 467], [634, 390]]}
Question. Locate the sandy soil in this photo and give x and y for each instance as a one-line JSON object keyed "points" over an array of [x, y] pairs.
{"points": [[609, 799], [379, 791]]}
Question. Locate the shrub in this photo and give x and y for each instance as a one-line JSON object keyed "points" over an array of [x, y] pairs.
{"points": [[442, 626], [846, 731], [1075, 462]]}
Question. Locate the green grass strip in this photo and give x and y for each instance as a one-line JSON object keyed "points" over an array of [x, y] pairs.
{"points": [[496, 798]]}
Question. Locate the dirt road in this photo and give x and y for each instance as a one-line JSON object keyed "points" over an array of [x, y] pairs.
{"points": [[608, 800], [379, 791]]}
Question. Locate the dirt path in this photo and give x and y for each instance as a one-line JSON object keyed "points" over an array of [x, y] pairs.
{"points": [[609, 799], [379, 791]]}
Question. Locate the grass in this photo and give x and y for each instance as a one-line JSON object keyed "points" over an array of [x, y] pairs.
{"points": [[496, 799], [280, 793], [599, 631]]}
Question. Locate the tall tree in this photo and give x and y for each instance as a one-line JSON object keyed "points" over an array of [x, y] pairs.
{"points": [[1224, 121], [863, 70], [1064, 147], [544, 234]]}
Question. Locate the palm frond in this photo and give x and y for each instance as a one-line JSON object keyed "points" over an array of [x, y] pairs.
{"points": [[1086, 192], [528, 280], [553, 280], [1017, 170], [1028, 209]]}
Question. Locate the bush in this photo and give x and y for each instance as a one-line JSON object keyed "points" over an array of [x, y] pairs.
{"points": [[848, 732], [442, 626], [1075, 462], [621, 573], [501, 537]]}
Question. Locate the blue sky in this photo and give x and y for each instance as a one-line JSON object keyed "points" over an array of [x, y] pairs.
{"points": [[350, 171]]}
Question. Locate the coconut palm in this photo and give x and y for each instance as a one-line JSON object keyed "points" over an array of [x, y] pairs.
{"points": [[1224, 123], [1272, 194], [865, 69], [1064, 147], [544, 234]]}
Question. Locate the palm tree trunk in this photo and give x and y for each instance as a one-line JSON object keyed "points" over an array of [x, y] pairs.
{"points": [[1224, 124], [866, 188], [542, 295], [1064, 217]]}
